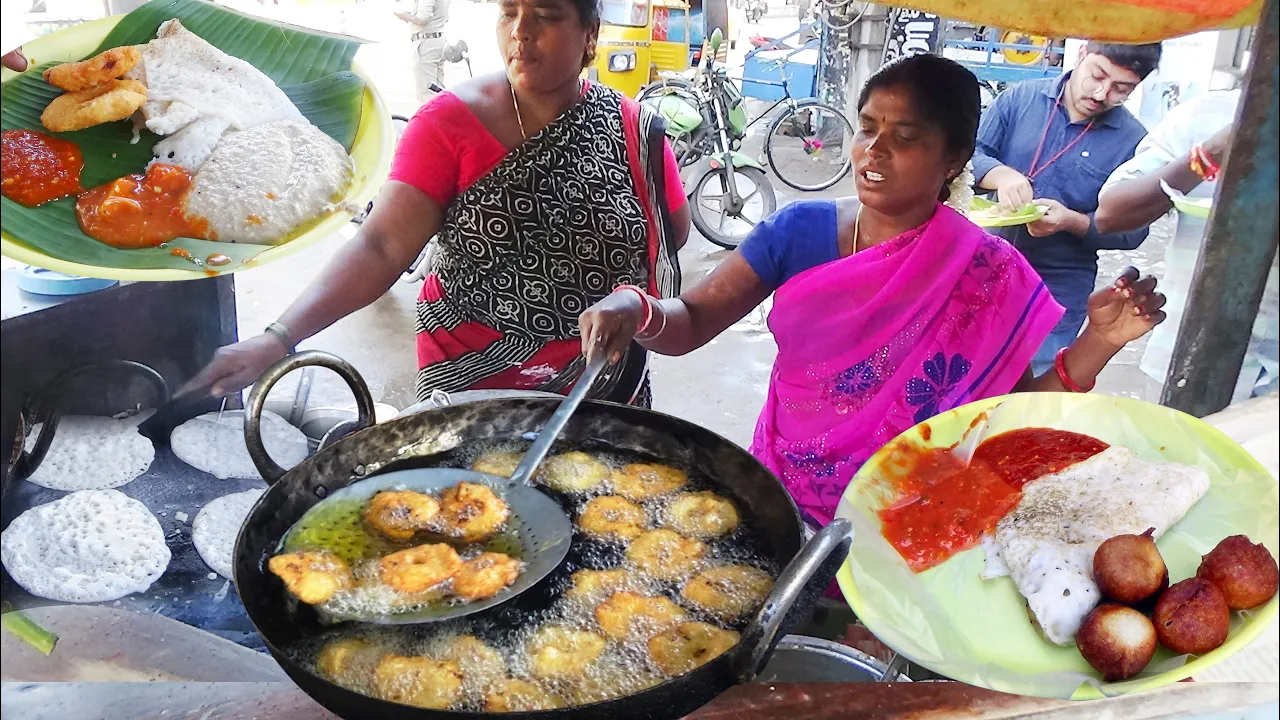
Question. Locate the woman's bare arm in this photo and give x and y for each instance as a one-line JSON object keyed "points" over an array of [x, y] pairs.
{"points": [[722, 298], [402, 221]]}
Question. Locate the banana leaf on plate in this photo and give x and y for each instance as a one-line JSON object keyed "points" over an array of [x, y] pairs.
{"points": [[314, 69]]}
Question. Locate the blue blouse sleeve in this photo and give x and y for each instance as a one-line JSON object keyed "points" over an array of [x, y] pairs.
{"points": [[800, 236]]}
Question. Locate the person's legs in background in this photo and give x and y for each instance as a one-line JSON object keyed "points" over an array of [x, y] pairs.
{"points": [[429, 67]]}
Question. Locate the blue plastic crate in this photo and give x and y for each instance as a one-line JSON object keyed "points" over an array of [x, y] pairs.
{"points": [[801, 72]]}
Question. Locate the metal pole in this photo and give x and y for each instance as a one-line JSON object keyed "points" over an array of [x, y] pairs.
{"points": [[1239, 247]]}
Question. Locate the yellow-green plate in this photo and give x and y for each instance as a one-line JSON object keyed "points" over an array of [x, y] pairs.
{"points": [[1194, 206], [977, 631], [1028, 214], [371, 153]]}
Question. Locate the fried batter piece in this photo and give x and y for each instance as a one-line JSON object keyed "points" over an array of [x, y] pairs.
{"points": [[400, 514], [97, 70], [561, 653], [349, 662], [573, 472], [485, 576], [498, 462], [641, 481], [612, 517], [312, 577], [666, 554], [515, 695], [480, 664], [111, 101], [595, 585], [471, 512], [688, 646], [418, 568], [729, 592], [702, 515], [610, 682], [626, 615], [418, 681]]}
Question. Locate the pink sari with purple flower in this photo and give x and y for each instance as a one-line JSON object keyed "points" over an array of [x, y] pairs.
{"points": [[874, 343]]}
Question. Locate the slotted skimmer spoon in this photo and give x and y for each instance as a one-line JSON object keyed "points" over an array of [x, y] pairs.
{"points": [[539, 525]]}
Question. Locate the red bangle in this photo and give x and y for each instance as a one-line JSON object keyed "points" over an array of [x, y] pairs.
{"points": [[644, 300], [1060, 364], [1203, 165]]}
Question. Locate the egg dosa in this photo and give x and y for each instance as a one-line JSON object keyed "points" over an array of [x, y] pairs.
{"points": [[1047, 543]]}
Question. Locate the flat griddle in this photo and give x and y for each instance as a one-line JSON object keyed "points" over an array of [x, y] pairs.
{"points": [[184, 592]]}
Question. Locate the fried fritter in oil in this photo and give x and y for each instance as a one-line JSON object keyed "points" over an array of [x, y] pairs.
{"points": [[641, 481], [418, 568], [502, 463], [594, 586], [730, 591], [485, 576], [514, 695], [612, 517], [561, 653], [312, 577], [97, 70], [471, 512], [688, 646], [702, 515], [627, 615], [481, 665], [400, 514], [666, 554], [573, 472], [349, 662], [418, 681]]}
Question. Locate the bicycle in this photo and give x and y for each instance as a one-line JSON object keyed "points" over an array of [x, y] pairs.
{"points": [[806, 146]]}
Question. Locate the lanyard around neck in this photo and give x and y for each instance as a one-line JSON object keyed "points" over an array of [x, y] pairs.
{"points": [[1036, 168]]}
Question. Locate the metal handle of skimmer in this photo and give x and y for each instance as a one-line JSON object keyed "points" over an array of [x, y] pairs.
{"points": [[547, 436]]}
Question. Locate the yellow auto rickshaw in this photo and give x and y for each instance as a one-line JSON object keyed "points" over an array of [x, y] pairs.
{"points": [[638, 39]]}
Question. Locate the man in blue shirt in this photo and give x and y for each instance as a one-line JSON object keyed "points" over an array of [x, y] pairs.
{"points": [[1055, 142]]}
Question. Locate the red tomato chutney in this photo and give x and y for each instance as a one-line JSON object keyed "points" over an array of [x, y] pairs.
{"points": [[38, 168], [944, 507], [140, 211], [1020, 456]]}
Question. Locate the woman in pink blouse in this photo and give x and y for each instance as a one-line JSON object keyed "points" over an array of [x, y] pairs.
{"points": [[543, 193]]}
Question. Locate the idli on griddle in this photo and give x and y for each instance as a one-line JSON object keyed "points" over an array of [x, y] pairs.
{"points": [[216, 445], [92, 453], [216, 526], [90, 546]]}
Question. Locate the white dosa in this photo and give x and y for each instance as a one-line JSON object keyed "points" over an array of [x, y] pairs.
{"points": [[90, 546], [217, 446], [92, 453], [216, 526], [1047, 543]]}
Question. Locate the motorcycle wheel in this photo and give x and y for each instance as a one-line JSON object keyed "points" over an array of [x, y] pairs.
{"points": [[706, 206]]}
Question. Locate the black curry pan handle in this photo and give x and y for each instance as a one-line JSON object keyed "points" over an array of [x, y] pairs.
{"points": [[45, 407], [269, 469], [802, 582]]}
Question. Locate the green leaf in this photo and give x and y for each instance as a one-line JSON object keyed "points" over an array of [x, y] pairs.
{"points": [[312, 68], [24, 627]]}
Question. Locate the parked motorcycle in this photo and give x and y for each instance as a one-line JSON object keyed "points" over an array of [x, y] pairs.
{"points": [[706, 121], [756, 9]]}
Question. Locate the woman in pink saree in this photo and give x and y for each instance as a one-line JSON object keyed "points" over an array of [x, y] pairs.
{"points": [[888, 308]]}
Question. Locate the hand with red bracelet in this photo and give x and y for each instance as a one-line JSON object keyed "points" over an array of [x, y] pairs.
{"points": [[1219, 145], [610, 324], [1125, 311]]}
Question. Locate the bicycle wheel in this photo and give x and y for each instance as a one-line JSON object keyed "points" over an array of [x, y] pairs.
{"points": [[707, 205], [808, 147]]}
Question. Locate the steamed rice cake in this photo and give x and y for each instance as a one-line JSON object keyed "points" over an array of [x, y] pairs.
{"points": [[263, 184]]}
